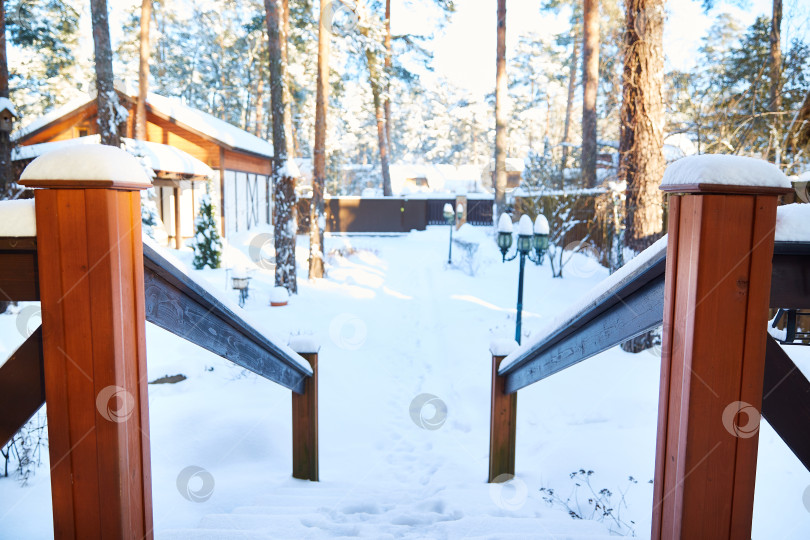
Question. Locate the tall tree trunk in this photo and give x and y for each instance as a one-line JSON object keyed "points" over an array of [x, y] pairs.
{"points": [[569, 108], [6, 167], [258, 127], [289, 126], [376, 80], [143, 71], [316, 209], [284, 227], [775, 61], [641, 160], [388, 73], [500, 115], [641, 140], [590, 82], [109, 110]]}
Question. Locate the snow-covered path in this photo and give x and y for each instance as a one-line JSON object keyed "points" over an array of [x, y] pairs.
{"points": [[395, 324]]}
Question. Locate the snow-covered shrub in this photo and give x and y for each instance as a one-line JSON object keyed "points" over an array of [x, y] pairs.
{"points": [[149, 212], [584, 502], [466, 242], [206, 242], [24, 450]]}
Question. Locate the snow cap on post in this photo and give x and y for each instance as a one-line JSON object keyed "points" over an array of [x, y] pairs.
{"points": [[448, 208], [502, 346], [541, 225], [525, 226], [305, 344], [722, 173], [504, 223], [86, 166]]}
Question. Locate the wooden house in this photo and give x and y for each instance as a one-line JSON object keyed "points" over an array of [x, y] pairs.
{"points": [[240, 160]]}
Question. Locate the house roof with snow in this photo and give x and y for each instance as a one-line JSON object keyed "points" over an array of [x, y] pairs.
{"points": [[164, 160], [213, 142], [172, 110]]}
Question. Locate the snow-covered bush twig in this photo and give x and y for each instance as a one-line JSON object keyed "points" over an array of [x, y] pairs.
{"points": [[602, 506]]}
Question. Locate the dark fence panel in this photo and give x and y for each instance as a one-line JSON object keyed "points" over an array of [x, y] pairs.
{"points": [[479, 211], [360, 215]]}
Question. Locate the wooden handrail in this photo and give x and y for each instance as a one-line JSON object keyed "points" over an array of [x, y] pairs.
{"points": [[177, 303], [634, 305], [22, 386]]}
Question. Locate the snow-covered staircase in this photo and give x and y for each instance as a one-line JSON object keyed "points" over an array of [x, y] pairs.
{"points": [[308, 510]]}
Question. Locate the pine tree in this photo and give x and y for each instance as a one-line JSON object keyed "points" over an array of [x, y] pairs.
{"points": [[206, 243]]}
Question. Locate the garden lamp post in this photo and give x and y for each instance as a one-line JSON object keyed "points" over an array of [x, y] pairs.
{"points": [[451, 218], [532, 242]]}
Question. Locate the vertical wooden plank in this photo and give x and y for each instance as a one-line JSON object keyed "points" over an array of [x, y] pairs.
{"points": [[305, 425], [502, 427], [666, 361], [713, 360]]}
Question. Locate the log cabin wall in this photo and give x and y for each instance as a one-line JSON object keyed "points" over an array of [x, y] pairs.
{"points": [[241, 187]]}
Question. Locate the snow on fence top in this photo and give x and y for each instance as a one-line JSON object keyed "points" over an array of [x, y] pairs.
{"points": [[87, 163], [592, 298], [793, 223], [18, 218], [724, 169]]}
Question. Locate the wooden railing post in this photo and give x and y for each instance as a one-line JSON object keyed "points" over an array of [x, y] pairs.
{"points": [[503, 418], [719, 254], [88, 214], [305, 415]]}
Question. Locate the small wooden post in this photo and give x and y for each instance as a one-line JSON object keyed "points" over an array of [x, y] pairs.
{"points": [[715, 313], [461, 200], [93, 326], [305, 416], [178, 230], [503, 418]]}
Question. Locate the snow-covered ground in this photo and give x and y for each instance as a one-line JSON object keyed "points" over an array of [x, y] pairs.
{"points": [[396, 323]]}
